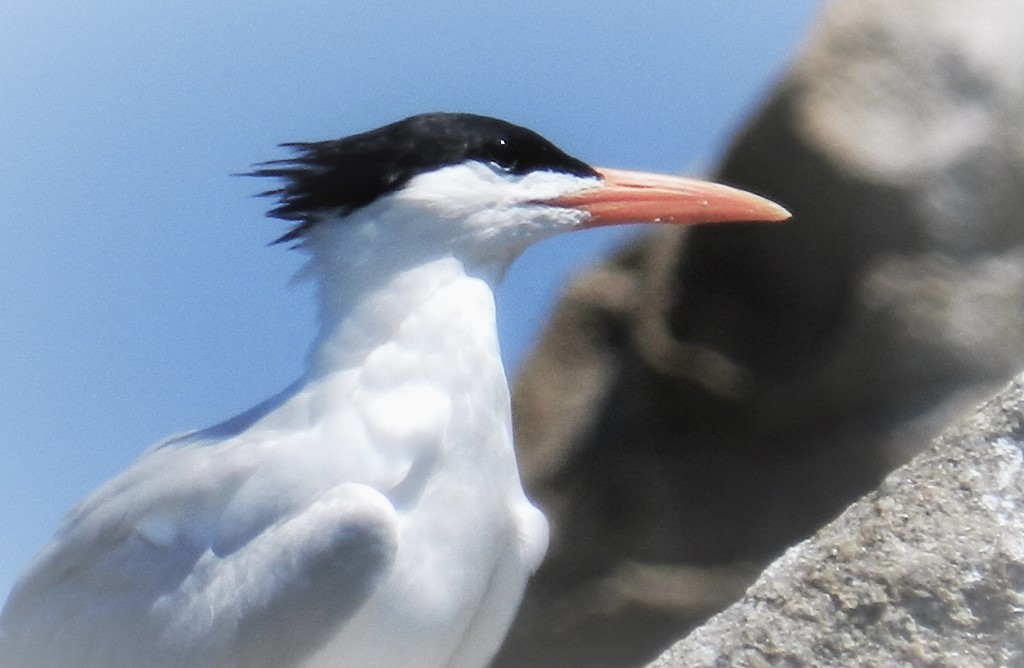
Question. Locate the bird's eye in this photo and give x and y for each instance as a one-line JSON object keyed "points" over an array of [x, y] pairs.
{"points": [[500, 155]]}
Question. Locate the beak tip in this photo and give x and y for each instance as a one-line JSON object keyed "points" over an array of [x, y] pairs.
{"points": [[779, 213]]}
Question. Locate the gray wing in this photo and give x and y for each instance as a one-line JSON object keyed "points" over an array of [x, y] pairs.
{"points": [[120, 599]]}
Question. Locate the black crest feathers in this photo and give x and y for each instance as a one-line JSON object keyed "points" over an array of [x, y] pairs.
{"points": [[343, 175]]}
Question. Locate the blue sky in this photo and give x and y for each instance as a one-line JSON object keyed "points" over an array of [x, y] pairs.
{"points": [[138, 296]]}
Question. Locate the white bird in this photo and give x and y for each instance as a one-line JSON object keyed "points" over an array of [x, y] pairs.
{"points": [[371, 514]]}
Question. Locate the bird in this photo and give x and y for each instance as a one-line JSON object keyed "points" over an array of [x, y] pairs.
{"points": [[371, 513]]}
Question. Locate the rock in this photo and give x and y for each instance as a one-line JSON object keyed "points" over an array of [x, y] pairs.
{"points": [[926, 571], [711, 397]]}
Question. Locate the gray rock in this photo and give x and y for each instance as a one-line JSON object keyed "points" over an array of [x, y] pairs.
{"points": [[926, 571], [711, 397]]}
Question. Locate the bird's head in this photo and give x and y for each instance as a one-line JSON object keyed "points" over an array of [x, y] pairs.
{"points": [[476, 187]]}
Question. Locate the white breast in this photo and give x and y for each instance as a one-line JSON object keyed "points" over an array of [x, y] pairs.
{"points": [[435, 396]]}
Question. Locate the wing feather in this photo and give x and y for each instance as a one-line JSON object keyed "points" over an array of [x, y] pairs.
{"points": [[125, 586]]}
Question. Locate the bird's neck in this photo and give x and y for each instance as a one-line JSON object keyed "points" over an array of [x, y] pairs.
{"points": [[413, 358], [361, 310], [373, 290]]}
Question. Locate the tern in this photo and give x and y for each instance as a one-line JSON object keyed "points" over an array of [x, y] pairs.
{"points": [[371, 514]]}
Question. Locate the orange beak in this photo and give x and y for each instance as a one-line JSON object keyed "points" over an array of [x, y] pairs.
{"points": [[640, 197]]}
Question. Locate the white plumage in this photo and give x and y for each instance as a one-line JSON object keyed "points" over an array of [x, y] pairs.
{"points": [[369, 515]]}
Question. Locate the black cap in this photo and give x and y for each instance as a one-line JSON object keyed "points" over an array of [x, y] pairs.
{"points": [[343, 175]]}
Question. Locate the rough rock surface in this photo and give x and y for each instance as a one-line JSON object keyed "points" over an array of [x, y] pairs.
{"points": [[711, 397], [926, 571]]}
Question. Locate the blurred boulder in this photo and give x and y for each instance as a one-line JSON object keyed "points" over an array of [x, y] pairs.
{"points": [[710, 397], [926, 571]]}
